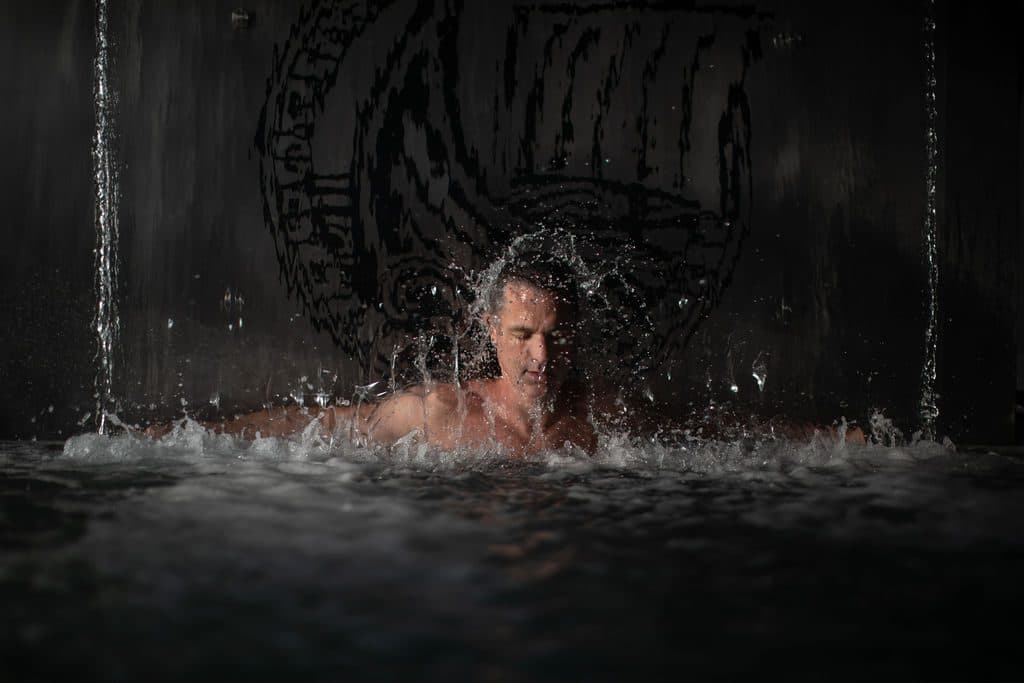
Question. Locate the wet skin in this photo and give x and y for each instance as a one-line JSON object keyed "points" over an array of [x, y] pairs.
{"points": [[531, 406]]}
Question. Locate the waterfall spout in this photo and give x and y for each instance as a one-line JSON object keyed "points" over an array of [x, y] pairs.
{"points": [[106, 321], [929, 396]]}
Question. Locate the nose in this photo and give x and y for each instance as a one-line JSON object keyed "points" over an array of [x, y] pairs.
{"points": [[539, 351]]}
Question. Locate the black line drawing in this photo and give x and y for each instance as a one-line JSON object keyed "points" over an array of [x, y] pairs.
{"points": [[625, 122]]}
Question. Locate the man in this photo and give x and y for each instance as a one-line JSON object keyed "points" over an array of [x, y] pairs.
{"points": [[537, 402]]}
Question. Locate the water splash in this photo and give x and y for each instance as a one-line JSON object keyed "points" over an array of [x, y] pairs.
{"points": [[614, 313], [759, 370], [929, 396], [883, 431], [105, 174], [755, 455]]}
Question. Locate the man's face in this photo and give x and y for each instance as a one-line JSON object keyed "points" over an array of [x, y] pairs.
{"points": [[532, 335]]}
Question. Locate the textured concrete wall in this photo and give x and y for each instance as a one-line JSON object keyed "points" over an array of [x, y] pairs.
{"points": [[774, 153]]}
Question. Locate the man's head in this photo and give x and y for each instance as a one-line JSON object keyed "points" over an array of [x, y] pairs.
{"points": [[532, 312]]}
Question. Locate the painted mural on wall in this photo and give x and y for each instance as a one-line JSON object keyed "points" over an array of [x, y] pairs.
{"points": [[405, 143]]}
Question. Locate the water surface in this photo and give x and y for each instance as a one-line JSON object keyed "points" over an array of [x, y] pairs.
{"points": [[125, 559]]}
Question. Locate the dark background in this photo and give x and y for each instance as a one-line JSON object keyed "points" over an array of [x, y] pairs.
{"points": [[825, 275]]}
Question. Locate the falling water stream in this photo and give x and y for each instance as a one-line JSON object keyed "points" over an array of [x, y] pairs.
{"points": [[929, 397], [106, 321]]}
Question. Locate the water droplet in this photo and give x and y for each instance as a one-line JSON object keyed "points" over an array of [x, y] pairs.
{"points": [[433, 290], [759, 370]]}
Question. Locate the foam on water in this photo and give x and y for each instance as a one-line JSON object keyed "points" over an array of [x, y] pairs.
{"points": [[190, 442]]}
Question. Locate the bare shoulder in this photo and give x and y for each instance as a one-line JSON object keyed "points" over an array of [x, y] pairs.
{"points": [[445, 410], [439, 396], [479, 390], [390, 418], [424, 402], [450, 402]]}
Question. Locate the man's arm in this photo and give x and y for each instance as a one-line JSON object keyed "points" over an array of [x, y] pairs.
{"points": [[383, 421], [268, 422], [273, 422]]}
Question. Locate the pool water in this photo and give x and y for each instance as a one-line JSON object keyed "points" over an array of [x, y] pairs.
{"points": [[201, 556]]}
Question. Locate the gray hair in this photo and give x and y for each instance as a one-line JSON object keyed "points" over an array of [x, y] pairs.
{"points": [[539, 270]]}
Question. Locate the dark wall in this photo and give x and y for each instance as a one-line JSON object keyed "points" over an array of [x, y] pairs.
{"points": [[759, 171], [980, 228], [46, 264]]}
